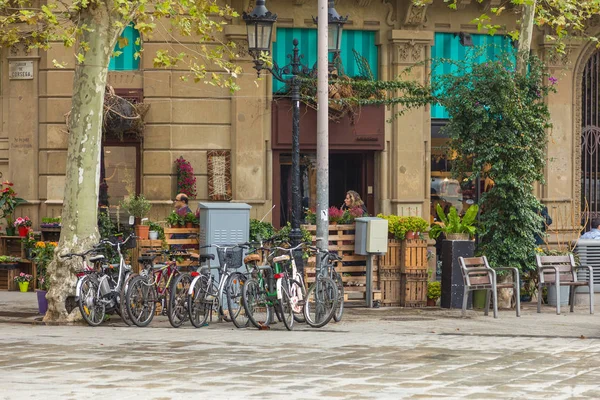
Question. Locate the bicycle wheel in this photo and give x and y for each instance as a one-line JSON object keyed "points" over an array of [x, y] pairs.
{"points": [[255, 303], [124, 311], [92, 310], [177, 308], [285, 306], [297, 298], [320, 303], [198, 306], [141, 300], [339, 309], [233, 289]]}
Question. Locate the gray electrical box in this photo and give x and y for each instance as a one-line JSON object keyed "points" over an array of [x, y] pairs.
{"points": [[371, 236], [223, 223]]}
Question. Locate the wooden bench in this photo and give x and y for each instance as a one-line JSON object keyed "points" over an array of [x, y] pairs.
{"points": [[561, 271], [478, 275]]}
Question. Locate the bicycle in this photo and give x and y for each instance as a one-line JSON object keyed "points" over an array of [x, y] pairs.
{"points": [[205, 293], [294, 284], [322, 296], [266, 290], [154, 285], [330, 259], [99, 290]]}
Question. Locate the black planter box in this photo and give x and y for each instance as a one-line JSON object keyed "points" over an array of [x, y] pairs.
{"points": [[452, 280]]}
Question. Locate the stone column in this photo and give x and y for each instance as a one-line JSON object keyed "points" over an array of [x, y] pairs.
{"points": [[409, 163], [250, 131], [21, 125]]}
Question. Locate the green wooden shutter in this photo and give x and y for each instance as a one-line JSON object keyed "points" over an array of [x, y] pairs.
{"points": [[126, 61], [362, 41], [448, 46]]}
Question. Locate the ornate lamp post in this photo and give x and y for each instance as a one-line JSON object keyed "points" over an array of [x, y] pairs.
{"points": [[259, 23]]}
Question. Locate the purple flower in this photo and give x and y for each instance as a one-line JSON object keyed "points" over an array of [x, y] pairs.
{"points": [[553, 80]]}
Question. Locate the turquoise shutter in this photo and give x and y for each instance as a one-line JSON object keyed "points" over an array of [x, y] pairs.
{"points": [[126, 61], [448, 46], [362, 41]]}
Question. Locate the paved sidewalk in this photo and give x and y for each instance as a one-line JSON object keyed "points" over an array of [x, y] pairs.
{"points": [[376, 354]]}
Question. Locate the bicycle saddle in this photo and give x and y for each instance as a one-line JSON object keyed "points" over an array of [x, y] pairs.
{"points": [[251, 257], [96, 258], [204, 257], [284, 257]]}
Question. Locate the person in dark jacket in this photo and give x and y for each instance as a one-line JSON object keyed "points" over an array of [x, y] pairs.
{"points": [[547, 222]]}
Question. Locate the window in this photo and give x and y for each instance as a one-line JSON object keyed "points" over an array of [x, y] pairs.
{"points": [[447, 45], [126, 61], [361, 41]]}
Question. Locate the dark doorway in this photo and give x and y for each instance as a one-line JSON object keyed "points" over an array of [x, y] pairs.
{"points": [[346, 172]]}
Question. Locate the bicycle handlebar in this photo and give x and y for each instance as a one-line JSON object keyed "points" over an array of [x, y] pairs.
{"points": [[85, 253]]}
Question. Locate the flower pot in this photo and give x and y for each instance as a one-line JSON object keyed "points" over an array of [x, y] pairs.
{"points": [[153, 235], [410, 235], [141, 231], [23, 231], [42, 302], [23, 286], [431, 302], [189, 224], [525, 298], [479, 299], [457, 236], [10, 231]]}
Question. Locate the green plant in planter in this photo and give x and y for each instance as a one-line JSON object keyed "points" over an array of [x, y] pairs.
{"points": [[260, 230], [190, 218], [453, 223], [434, 290], [157, 228], [174, 219], [415, 224], [137, 206], [9, 260]]}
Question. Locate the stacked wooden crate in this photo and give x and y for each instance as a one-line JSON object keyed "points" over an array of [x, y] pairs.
{"points": [[353, 268], [390, 274], [414, 273]]}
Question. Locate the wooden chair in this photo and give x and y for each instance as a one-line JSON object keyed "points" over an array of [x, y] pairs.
{"points": [[561, 271], [478, 275]]}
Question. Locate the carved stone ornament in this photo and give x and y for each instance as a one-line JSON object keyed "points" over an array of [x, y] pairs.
{"points": [[389, 19], [409, 52], [415, 15], [19, 49], [241, 47], [555, 59]]}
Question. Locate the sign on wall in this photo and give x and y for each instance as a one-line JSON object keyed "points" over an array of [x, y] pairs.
{"points": [[20, 70]]}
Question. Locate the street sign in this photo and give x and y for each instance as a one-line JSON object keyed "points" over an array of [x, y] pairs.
{"points": [[20, 70]]}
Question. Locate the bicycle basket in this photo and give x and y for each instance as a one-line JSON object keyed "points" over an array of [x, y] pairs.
{"points": [[232, 257], [131, 243]]}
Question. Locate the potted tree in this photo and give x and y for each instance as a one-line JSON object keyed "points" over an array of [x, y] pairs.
{"points": [[139, 207], [453, 226]]}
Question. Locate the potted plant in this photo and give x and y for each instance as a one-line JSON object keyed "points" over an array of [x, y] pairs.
{"points": [[48, 222], [43, 252], [434, 291], [453, 226], [414, 226], [335, 215], [8, 202], [189, 220], [139, 207], [9, 261], [156, 231], [23, 280], [174, 219], [23, 225]]}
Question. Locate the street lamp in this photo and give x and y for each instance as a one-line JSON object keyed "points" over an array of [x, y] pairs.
{"points": [[259, 23]]}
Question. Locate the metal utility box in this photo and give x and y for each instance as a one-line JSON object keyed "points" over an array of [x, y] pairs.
{"points": [[589, 255], [371, 235], [223, 223]]}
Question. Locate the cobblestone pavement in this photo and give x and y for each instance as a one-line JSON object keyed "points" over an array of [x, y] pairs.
{"points": [[383, 354]]}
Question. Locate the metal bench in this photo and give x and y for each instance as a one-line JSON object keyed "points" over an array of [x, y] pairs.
{"points": [[478, 275], [561, 271]]}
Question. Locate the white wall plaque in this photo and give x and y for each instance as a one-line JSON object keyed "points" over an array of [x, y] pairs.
{"points": [[20, 70]]}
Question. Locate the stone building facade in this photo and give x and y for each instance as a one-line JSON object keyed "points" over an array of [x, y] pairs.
{"points": [[190, 120]]}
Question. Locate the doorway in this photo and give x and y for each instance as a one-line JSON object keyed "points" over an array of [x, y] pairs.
{"points": [[347, 171]]}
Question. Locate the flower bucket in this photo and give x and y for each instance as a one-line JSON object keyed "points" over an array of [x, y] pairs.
{"points": [[10, 231], [23, 286], [23, 231], [42, 302], [153, 235]]}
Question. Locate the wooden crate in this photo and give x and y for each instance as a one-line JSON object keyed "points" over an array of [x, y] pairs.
{"points": [[7, 279], [414, 288], [413, 255], [390, 283], [142, 247], [341, 240]]}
